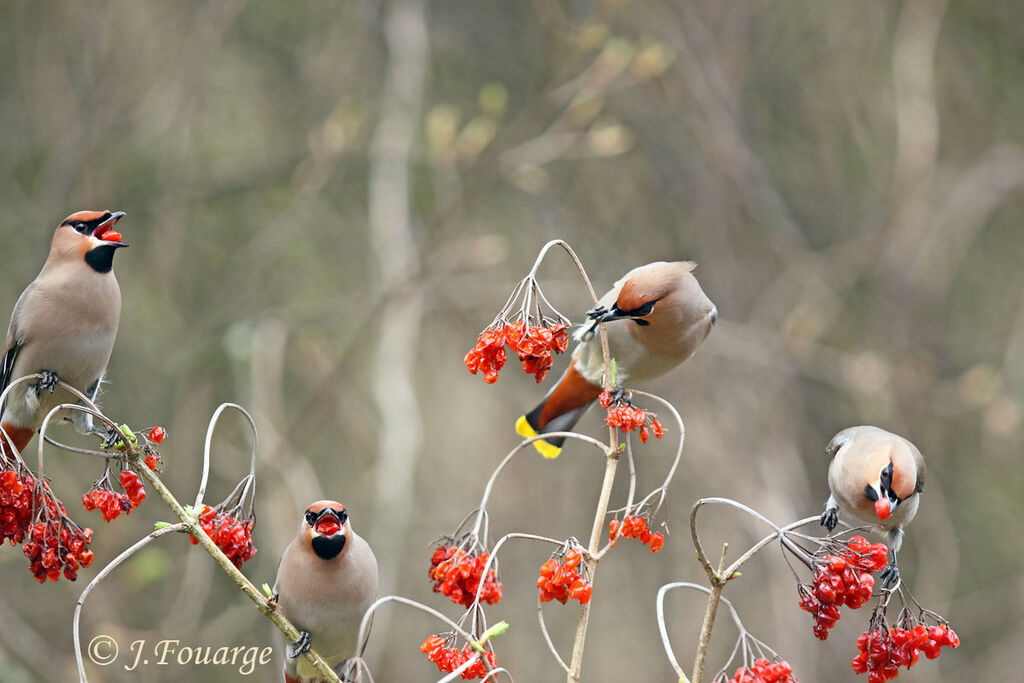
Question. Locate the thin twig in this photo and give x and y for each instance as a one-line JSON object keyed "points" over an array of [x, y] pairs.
{"points": [[718, 582], [663, 629], [114, 564], [209, 444], [547, 637]]}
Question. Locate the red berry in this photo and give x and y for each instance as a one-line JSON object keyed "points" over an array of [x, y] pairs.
{"points": [[157, 435]]}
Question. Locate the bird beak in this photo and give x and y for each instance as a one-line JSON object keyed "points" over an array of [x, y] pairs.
{"points": [[883, 507], [328, 524], [612, 314], [104, 231]]}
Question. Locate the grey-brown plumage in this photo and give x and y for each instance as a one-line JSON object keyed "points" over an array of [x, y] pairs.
{"points": [[657, 317], [326, 581], [64, 323], [877, 477]]}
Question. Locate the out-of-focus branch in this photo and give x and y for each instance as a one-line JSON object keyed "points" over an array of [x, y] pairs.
{"points": [[917, 124], [393, 243]]}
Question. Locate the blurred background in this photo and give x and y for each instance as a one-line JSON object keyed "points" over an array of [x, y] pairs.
{"points": [[328, 200]]}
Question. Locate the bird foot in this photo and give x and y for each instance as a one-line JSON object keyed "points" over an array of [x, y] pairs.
{"points": [[597, 312], [890, 575], [111, 437], [300, 645], [342, 671], [618, 395], [829, 519], [48, 381], [102, 431]]}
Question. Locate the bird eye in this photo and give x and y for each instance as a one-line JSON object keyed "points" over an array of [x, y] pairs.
{"points": [[342, 516], [81, 227], [310, 517]]}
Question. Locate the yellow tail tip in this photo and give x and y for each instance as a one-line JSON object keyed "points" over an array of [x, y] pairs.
{"points": [[549, 451]]}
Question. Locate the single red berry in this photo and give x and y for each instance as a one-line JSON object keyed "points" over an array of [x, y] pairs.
{"points": [[157, 434]]}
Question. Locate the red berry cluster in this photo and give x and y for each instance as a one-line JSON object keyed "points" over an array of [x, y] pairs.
{"points": [[533, 344], [842, 578], [563, 581], [635, 527], [764, 671], [15, 505], [54, 544], [57, 546], [449, 659], [110, 503], [132, 485], [883, 652], [232, 536], [153, 462], [628, 417], [457, 574]]}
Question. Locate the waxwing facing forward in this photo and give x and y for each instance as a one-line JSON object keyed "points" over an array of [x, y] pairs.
{"points": [[877, 477], [326, 581], [63, 325], [660, 316]]}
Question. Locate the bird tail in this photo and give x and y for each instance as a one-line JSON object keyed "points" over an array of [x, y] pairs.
{"points": [[19, 436], [560, 410]]}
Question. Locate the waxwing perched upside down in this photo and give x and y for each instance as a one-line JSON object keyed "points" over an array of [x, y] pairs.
{"points": [[663, 316], [326, 581], [63, 325], [877, 477]]}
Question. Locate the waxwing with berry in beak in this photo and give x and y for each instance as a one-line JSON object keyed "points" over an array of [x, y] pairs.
{"points": [[659, 316], [63, 325], [326, 581], [877, 477]]}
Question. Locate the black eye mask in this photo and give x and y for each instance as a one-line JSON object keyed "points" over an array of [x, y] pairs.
{"points": [[312, 517]]}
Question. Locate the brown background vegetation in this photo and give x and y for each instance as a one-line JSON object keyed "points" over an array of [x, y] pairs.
{"points": [[847, 175]]}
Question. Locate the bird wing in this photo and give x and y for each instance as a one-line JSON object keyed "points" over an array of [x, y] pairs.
{"points": [[919, 461], [15, 339], [7, 365]]}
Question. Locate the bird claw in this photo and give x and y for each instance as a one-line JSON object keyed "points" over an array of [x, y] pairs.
{"points": [[890, 575], [829, 519], [48, 381], [597, 312], [111, 437], [300, 645]]}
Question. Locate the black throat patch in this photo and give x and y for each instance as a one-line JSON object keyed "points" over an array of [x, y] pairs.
{"points": [[328, 547], [101, 258]]}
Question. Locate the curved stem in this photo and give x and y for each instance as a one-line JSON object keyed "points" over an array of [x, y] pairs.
{"points": [[494, 674], [547, 638], [575, 260], [74, 449], [523, 444], [682, 432], [492, 556], [663, 628], [73, 407], [114, 564], [209, 443], [364, 625], [780, 533]]}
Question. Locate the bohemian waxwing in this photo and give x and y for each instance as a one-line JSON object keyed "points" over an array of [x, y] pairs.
{"points": [[877, 477], [326, 581], [664, 316], [63, 325]]}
